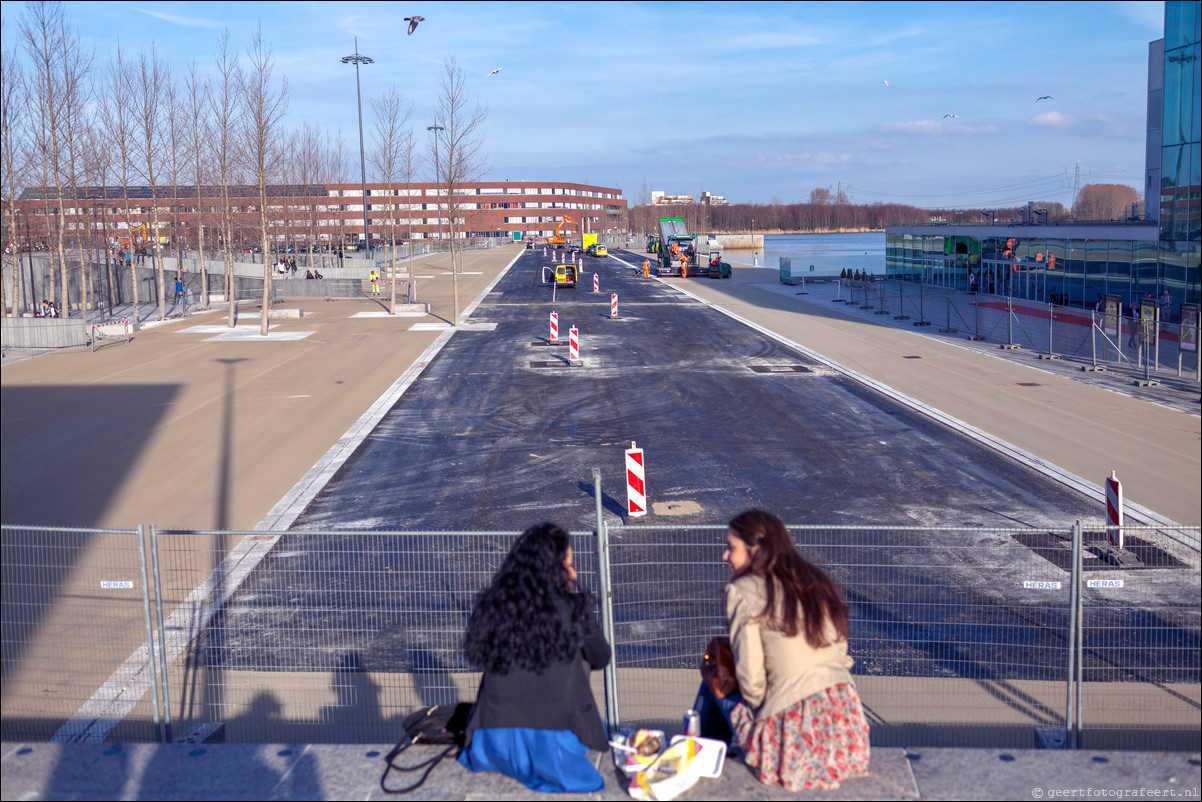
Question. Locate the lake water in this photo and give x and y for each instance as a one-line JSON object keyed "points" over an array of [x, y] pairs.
{"points": [[863, 252]]}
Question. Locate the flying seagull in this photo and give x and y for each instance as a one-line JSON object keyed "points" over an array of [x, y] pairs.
{"points": [[413, 23], [494, 72], [950, 115], [886, 83], [1045, 97]]}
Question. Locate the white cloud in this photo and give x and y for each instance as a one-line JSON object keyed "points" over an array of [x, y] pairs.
{"points": [[190, 22], [1053, 119]]}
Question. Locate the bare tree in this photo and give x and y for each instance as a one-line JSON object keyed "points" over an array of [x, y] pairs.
{"points": [[99, 162], [223, 102], [58, 61], [264, 104], [117, 116], [196, 104], [458, 154], [13, 162], [1104, 201], [151, 78], [393, 140]]}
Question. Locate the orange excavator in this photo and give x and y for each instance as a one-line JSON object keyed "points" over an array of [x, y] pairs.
{"points": [[558, 238]]}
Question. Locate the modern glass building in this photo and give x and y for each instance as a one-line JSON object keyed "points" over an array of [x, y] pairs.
{"points": [[1181, 159], [1077, 263], [1065, 264]]}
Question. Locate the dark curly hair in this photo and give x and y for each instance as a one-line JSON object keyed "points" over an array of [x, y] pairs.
{"points": [[809, 594], [516, 620]]}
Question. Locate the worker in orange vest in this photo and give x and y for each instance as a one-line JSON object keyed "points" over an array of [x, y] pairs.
{"points": [[646, 268]]}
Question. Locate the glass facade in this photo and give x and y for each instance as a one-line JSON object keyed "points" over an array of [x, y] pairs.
{"points": [[1181, 156], [1028, 262]]}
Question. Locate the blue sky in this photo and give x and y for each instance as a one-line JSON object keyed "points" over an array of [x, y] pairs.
{"points": [[753, 101]]}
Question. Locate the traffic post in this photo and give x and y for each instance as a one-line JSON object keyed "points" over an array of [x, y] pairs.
{"points": [[554, 326], [1114, 511], [596, 283], [574, 347], [613, 305], [636, 485]]}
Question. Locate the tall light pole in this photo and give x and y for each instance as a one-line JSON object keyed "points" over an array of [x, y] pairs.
{"points": [[358, 59], [437, 129]]}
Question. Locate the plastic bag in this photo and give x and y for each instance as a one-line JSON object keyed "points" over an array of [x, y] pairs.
{"points": [[675, 771]]}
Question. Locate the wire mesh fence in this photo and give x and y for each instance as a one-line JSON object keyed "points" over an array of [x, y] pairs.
{"points": [[1116, 341], [75, 606], [322, 636], [961, 636], [1139, 683]]}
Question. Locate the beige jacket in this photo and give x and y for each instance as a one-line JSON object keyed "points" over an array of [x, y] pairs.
{"points": [[776, 671]]}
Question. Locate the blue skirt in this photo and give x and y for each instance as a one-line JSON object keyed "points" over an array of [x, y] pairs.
{"points": [[542, 760]]}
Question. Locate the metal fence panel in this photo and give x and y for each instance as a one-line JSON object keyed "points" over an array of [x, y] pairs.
{"points": [[1141, 687], [39, 332], [322, 636], [960, 636], [75, 605]]}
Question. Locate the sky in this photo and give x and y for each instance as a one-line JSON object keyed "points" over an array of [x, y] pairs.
{"points": [[757, 102]]}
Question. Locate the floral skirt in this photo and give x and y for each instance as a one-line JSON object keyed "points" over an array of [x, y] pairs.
{"points": [[816, 743]]}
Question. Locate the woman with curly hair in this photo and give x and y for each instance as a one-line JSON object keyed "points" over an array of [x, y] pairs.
{"points": [[796, 714], [535, 638]]}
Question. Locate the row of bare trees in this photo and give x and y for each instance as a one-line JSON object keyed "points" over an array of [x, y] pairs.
{"points": [[827, 212], [125, 135]]}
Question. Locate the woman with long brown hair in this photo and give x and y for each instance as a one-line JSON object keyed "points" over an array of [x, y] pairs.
{"points": [[796, 715]]}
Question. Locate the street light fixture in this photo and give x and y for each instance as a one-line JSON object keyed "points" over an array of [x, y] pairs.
{"points": [[437, 129], [358, 59]]}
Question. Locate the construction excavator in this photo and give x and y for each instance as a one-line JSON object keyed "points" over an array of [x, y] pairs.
{"points": [[127, 242], [558, 238]]}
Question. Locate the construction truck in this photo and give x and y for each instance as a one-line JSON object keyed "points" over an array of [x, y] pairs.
{"points": [[677, 252]]}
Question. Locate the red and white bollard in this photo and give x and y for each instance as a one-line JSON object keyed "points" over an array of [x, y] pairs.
{"points": [[554, 326], [596, 283], [613, 305], [636, 484], [1114, 510], [573, 346], [580, 261], [544, 250]]}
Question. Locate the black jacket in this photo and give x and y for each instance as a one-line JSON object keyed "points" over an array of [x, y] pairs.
{"points": [[558, 698]]}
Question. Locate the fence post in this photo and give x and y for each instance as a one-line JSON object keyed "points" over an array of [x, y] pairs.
{"points": [[1051, 352], [922, 314], [1093, 340], [1075, 638], [154, 676], [948, 328], [901, 302], [158, 600], [610, 674]]}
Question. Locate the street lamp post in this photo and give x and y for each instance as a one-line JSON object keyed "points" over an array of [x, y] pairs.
{"points": [[358, 59], [436, 129]]}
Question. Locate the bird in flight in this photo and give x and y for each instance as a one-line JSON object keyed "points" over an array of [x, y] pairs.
{"points": [[413, 23], [950, 115], [886, 83], [1045, 97], [494, 72]]}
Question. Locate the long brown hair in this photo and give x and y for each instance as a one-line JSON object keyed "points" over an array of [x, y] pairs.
{"points": [[808, 593]]}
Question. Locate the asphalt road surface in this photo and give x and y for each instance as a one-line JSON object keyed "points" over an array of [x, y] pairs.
{"points": [[500, 432]]}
